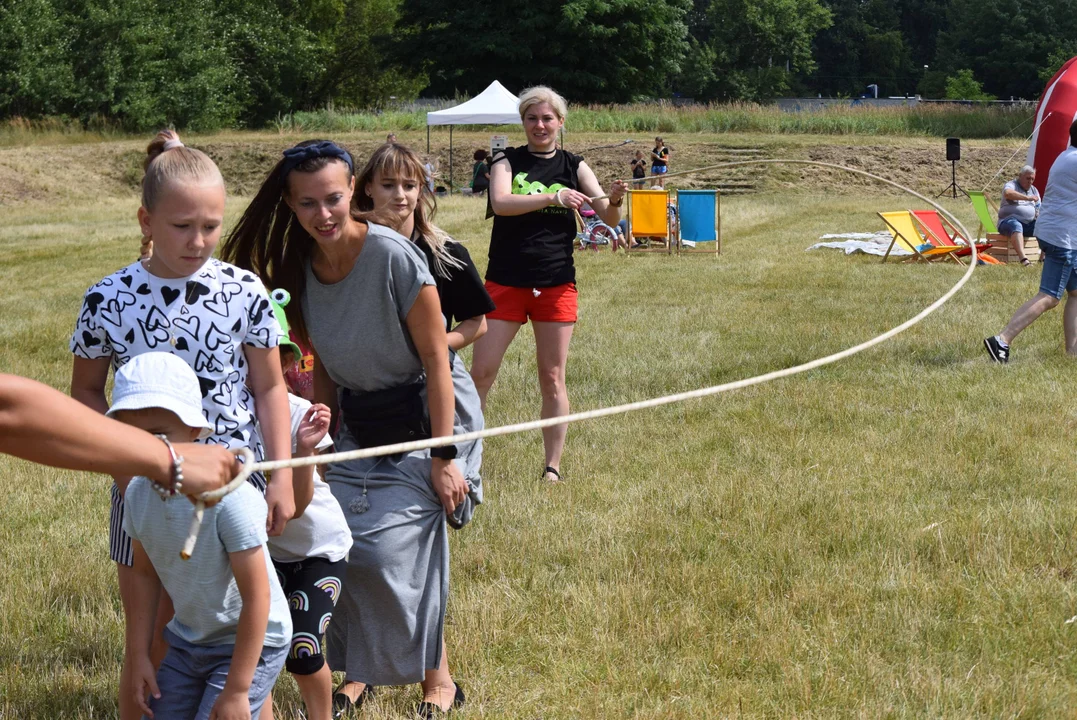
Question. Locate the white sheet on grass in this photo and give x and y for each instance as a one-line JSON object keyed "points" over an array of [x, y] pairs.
{"points": [[869, 243]]}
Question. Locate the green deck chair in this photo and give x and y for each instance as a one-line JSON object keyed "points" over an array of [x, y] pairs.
{"points": [[987, 228]]}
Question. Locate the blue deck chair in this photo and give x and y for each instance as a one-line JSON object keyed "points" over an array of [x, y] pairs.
{"points": [[700, 215]]}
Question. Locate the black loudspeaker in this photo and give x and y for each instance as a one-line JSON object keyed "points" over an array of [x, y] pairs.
{"points": [[953, 149]]}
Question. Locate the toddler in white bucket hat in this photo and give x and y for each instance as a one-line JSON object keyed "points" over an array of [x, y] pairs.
{"points": [[157, 381], [209, 651]]}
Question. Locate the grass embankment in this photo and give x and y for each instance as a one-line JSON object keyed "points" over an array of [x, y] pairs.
{"points": [[918, 121], [83, 173], [891, 536], [924, 120]]}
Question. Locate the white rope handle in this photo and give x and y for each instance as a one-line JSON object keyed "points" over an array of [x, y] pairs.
{"points": [[249, 466]]}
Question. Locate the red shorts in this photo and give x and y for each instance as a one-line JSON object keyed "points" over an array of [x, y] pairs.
{"points": [[549, 304]]}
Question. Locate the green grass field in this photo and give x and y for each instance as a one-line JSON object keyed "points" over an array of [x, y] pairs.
{"points": [[891, 536]]}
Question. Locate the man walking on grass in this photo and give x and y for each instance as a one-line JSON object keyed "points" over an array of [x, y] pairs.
{"points": [[1056, 230]]}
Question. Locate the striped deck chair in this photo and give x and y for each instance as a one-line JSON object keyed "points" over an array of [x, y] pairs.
{"points": [[903, 230]]}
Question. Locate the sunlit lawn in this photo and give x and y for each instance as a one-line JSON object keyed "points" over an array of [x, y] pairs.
{"points": [[890, 536]]}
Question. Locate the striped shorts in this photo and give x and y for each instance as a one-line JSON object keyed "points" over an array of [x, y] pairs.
{"points": [[119, 542]]}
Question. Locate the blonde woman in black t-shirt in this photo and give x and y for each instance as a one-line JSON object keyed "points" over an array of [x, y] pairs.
{"points": [[534, 192]]}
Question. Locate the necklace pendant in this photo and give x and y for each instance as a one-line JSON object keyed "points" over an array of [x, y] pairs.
{"points": [[172, 340], [360, 504]]}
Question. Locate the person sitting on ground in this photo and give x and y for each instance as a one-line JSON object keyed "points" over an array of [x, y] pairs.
{"points": [[622, 233], [1057, 236], [1018, 211], [480, 173]]}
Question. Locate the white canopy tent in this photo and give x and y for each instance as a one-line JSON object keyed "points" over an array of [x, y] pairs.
{"points": [[493, 106]]}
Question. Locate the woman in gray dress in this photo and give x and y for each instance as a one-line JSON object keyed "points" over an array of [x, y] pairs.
{"points": [[371, 312]]}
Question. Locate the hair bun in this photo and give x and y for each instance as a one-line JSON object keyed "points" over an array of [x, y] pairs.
{"points": [[162, 142]]}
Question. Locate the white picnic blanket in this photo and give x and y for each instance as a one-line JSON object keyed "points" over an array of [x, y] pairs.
{"points": [[870, 243]]}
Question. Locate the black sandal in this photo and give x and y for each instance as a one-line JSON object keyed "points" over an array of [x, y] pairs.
{"points": [[1025, 262], [549, 470], [343, 705], [429, 710]]}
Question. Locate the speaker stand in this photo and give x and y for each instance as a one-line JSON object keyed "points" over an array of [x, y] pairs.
{"points": [[953, 186]]}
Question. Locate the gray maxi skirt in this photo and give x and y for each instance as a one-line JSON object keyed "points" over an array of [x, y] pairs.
{"points": [[388, 625]]}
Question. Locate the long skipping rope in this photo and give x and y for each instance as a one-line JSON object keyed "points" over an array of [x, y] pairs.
{"points": [[1019, 149], [250, 466]]}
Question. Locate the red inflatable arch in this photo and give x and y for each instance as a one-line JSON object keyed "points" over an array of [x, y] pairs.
{"points": [[1058, 105]]}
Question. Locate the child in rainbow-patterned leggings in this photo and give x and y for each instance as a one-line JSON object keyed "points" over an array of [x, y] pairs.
{"points": [[310, 555]]}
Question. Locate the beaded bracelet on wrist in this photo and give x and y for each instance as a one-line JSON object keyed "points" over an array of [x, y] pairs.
{"points": [[176, 486]]}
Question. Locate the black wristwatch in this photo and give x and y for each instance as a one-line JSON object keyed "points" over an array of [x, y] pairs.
{"points": [[446, 452]]}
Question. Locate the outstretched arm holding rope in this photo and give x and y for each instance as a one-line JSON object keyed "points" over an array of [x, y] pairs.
{"points": [[45, 426]]}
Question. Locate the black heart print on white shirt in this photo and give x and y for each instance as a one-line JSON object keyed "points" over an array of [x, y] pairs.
{"points": [[218, 304], [155, 327], [92, 301], [207, 363], [226, 390], [113, 309], [169, 295], [195, 291], [215, 337], [223, 425], [190, 324]]}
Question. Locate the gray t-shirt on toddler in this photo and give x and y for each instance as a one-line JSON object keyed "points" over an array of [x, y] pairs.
{"points": [[203, 589]]}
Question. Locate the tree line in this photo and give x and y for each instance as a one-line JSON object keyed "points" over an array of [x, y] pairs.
{"points": [[206, 64]]}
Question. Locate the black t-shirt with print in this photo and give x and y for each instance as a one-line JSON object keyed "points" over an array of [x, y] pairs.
{"points": [[461, 291], [663, 153], [535, 249]]}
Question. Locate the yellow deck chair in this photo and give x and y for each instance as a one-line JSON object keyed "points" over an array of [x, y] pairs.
{"points": [[906, 236], [648, 217]]}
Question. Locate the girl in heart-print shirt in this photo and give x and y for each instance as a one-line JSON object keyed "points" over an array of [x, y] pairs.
{"points": [[214, 316]]}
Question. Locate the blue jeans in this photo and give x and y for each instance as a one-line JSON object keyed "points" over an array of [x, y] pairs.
{"points": [[1059, 270], [192, 677], [1010, 225]]}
